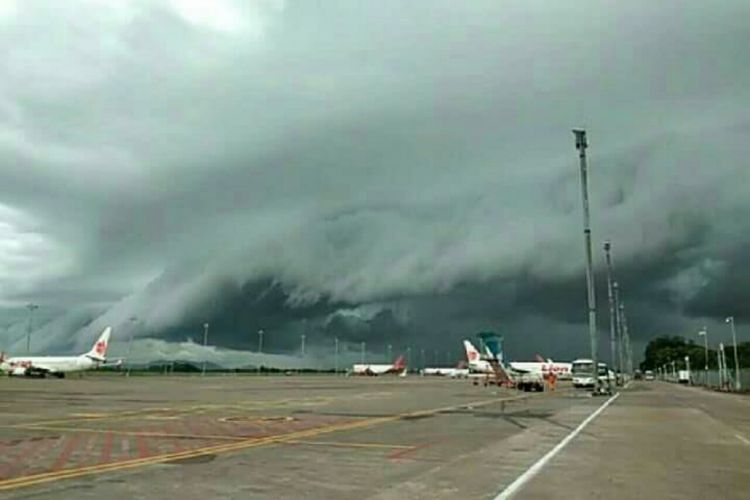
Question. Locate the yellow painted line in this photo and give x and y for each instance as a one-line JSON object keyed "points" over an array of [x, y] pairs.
{"points": [[101, 416], [139, 433], [224, 448], [178, 410], [34, 479], [241, 419], [344, 444]]}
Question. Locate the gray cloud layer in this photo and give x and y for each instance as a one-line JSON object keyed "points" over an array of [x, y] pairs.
{"points": [[396, 172]]}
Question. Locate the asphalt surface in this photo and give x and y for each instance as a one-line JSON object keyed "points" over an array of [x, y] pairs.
{"points": [[272, 437], [339, 438], [658, 440]]}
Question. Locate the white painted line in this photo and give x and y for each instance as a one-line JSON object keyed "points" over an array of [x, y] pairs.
{"points": [[532, 471], [742, 438]]}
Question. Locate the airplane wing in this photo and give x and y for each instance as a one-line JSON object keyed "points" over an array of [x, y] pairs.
{"points": [[41, 368]]}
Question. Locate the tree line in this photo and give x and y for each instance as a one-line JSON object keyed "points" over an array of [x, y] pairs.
{"points": [[665, 349]]}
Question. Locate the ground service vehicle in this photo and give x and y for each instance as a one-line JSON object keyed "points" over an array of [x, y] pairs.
{"points": [[583, 377]]}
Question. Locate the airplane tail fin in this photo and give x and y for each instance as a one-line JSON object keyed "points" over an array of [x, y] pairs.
{"points": [[99, 350], [490, 355], [2, 357], [539, 359], [400, 363], [472, 354]]}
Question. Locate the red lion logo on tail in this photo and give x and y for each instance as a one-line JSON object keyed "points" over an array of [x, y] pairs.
{"points": [[100, 347]]}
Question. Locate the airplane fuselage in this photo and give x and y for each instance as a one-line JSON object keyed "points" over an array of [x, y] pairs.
{"points": [[59, 365], [360, 369], [446, 372], [48, 364], [561, 370], [481, 366]]}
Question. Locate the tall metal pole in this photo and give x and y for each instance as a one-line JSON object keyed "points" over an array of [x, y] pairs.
{"points": [[336, 355], [704, 333], [132, 320], [581, 146], [205, 344], [424, 363], [721, 367], [625, 337], [408, 358], [260, 347], [687, 367], [31, 307], [302, 345], [612, 314], [618, 328], [737, 382]]}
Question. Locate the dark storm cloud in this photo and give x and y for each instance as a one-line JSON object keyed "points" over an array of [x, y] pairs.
{"points": [[400, 173]]}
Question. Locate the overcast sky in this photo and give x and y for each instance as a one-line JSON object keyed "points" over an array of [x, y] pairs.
{"points": [[389, 172]]}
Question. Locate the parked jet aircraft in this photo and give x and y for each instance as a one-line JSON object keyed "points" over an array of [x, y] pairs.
{"points": [[397, 368], [447, 372], [544, 367], [492, 366], [58, 365], [476, 362]]}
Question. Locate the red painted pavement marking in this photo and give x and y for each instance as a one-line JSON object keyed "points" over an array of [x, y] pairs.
{"points": [[143, 450], [176, 445], [20, 463], [63, 458], [406, 451], [125, 447], [106, 455], [4, 471], [7, 456], [188, 423], [182, 428], [226, 428], [84, 449]]}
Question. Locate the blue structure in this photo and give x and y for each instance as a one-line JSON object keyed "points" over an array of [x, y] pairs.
{"points": [[492, 341]]}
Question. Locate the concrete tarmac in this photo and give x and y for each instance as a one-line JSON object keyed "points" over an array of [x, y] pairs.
{"points": [[340, 438], [658, 440], [272, 437]]}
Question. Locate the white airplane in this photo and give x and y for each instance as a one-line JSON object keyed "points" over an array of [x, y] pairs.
{"points": [[58, 366], [543, 367], [476, 363], [492, 365], [446, 372], [397, 368]]}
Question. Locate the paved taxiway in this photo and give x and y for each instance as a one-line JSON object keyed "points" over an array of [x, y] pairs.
{"points": [[324, 437], [274, 437], [657, 440]]}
